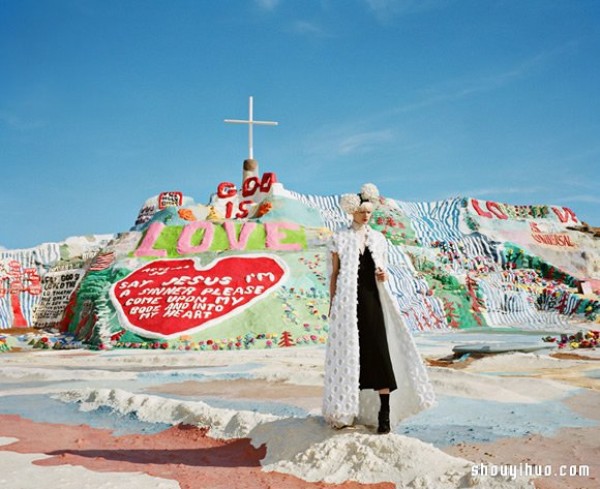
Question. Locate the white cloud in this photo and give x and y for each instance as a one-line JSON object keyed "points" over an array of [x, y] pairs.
{"points": [[363, 142], [482, 192], [332, 142], [19, 123], [499, 194], [267, 4], [386, 10], [460, 88], [592, 199], [307, 28], [577, 156]]}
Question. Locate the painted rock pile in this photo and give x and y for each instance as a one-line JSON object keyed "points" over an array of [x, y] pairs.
{"points": [[582, 339], [4, 346], [253, 272], [52, 341]]}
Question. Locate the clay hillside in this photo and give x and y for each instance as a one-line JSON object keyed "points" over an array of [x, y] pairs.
{"points": [[248, 269]]}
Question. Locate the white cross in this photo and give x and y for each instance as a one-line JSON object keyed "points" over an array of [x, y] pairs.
{"points": [[251, 122]]}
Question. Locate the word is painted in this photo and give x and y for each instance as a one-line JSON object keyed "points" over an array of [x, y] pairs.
{"points": [[552, 239], [167, 298], [253, 189], [202, 236], [496, 210]]}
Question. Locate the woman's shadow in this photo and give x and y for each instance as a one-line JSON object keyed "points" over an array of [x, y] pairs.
{"points": [[269, 443]]}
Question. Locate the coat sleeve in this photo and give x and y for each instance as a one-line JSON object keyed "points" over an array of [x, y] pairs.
{"points": [[384, 251], [381, 255]]}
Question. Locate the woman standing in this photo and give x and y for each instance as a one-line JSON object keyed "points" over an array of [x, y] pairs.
{"points": [[373, 371]]}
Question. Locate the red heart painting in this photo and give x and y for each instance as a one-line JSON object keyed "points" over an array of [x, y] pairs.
{"points": [[168, 298]]}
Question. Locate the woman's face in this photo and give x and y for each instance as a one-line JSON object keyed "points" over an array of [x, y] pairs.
{"points": [[362, 216]]}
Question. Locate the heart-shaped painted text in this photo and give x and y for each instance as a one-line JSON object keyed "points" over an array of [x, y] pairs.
{"points": [[168, 298]]}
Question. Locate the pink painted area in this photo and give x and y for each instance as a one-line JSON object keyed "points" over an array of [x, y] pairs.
{"points": [[241, 242], [595, 285], [276, 233], [146, 248], [184, 246], [183, 453]]}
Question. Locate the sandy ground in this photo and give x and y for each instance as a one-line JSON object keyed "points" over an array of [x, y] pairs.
{"points": [[183, 453], [569, 447], [567, 450], [305, 396], [251, 419]]}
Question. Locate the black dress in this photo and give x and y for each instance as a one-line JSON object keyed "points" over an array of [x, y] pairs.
{"points": [[376, 370]]}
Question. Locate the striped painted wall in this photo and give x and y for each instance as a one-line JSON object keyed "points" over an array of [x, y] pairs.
{"points": [[441, 239], [507, 303], [473, 253], [329, 207], [434, 221], [421, 312], [41, 258]]}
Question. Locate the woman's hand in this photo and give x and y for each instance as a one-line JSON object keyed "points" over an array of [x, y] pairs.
{"points": [[335, 266], [380, 275]]}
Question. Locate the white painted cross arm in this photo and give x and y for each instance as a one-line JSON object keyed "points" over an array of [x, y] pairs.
{"points": [[251, 122]]}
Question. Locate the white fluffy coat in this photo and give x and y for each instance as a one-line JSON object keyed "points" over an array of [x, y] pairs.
{"points": [[343, 402]]}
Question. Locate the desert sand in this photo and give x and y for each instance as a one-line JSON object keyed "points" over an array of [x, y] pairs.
{"points": [[251, 419]]}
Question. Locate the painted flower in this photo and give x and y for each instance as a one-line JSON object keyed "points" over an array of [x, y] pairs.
{"points": [[264, 208], [186, 214]]}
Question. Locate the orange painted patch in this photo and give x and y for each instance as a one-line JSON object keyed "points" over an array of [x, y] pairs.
{"points": [[183, 453]]}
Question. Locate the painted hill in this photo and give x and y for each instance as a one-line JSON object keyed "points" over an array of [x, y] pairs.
{"points": [[249, 270]]}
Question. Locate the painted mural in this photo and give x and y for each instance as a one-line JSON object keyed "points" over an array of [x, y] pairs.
{"points": [[249, 270], [37, 283]]}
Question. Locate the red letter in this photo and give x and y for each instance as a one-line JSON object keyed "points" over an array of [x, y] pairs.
{"points": [[479, 210], [228, 209], [564, 217], [225, 190], [268, 179], [495, 209], [243, 207], [249, 186]]}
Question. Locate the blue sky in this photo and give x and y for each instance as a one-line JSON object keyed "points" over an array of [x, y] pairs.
{"points": [[105, 103]]}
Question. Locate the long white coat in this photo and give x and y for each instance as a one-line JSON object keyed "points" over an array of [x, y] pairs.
{"points": [[343, 401]]}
